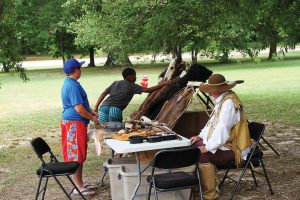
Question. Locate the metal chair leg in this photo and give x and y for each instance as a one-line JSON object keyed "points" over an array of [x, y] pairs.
{"points": [[76, 188], [270, 145], [239, 180], [253, 175], [266, 176], [199, 183], [38, 190], [45, 188], [60, 185], [224, 177], [155, 193], [149, 192]]}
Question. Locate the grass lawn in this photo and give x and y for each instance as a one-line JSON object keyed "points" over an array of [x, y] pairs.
{"points": [[270, 93]]}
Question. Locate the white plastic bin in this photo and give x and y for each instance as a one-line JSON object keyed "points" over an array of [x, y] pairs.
{"points": [[116, 184], [129, 179]]}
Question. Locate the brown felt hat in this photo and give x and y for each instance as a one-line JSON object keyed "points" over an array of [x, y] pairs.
{"points": [[216, 83]]}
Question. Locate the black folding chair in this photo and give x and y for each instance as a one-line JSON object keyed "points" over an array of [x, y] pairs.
{"points": [[255, 157], [172, 181], [52, 168]]}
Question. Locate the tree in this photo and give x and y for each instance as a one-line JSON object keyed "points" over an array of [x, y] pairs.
{"points": [[42, 28], [103, 32], [274, 22], [10, 58]]}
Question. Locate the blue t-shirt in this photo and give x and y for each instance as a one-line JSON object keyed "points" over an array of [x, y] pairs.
{"points": [[73, 94]]}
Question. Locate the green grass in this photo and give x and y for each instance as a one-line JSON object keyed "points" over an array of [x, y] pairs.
{"points": [[270, 93]]}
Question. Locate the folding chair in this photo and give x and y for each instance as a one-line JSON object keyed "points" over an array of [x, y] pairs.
{"points": [[53, 168], [171, 181], [254, 159]]}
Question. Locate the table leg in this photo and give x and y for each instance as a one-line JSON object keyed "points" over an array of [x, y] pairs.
{"points": [[137, 155], [106, 170]]}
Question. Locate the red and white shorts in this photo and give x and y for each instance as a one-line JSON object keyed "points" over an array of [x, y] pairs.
{"points": [[74, 140]]}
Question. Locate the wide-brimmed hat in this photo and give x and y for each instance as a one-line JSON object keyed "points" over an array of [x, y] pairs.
{"points": [[72, 64], [217, 83]]}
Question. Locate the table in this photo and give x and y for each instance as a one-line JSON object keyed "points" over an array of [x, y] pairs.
{"points": [[125, 147]]}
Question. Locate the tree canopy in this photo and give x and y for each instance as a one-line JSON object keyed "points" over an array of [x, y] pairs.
{"points": [[122, 27]]}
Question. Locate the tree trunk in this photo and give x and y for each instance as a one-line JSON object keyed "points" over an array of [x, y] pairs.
{"points": [[5, 68], [114, 60], [92, 57], [225, 56], [273, 46], [174, 52], [178, 53], [1, 7], [194, 56]]}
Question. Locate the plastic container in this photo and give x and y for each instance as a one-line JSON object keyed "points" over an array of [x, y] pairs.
{"points": [[129, 179], [144, 81], [116, 184]]}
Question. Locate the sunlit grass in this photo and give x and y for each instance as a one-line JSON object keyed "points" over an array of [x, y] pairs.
{"points": [[270, 92], [27, 110]]}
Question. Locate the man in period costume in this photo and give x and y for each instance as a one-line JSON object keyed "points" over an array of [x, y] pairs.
{"points": [[225, 136]]}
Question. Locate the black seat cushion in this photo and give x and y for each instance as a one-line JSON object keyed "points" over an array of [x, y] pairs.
{"points": [[58, 168], [230, 164], [257, 154], [173, 180]]}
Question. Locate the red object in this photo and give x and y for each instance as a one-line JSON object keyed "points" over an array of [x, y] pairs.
{"points": [[74, 140], [144, 81]]}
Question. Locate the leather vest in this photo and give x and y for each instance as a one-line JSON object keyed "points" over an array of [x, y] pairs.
{"points": [[239, 135]]}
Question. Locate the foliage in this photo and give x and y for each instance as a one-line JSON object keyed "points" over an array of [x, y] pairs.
{"points": [[274, 22], [122, 27], [49, 35], [9, 50]]}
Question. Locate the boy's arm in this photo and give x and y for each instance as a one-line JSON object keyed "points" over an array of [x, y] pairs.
{"points": [[157, 87], [100, 99]]}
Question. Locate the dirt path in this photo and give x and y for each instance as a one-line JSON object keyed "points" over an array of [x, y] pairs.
{"points": [[283, 170], [33, 63]]}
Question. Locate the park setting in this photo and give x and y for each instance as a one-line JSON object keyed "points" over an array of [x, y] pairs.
{"points": [[256, 42]]}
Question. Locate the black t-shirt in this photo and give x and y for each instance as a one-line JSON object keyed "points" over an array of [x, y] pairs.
{"points": [[121, 93]]}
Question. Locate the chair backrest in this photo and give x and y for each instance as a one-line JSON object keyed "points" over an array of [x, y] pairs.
{"points": [[40, 147], [176, 158], [256, 130]]}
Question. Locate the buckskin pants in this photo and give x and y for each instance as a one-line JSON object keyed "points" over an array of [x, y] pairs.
{"points": [[209, 182]]}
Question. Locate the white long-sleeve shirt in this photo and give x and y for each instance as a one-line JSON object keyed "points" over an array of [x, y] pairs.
{"points": [[228, 117]]}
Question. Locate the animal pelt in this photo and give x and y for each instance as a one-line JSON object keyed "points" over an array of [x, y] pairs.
{"points": [[98, 135], [154, 102], [173, 108], [156, 95]]}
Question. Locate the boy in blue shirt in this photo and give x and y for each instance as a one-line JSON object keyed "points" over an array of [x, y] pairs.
{"points": [[75, 118]]}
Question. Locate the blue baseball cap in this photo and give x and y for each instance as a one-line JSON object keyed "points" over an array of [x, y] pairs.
{"points": [[72, 64]]}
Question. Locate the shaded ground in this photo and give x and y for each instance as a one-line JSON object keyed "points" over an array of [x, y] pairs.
{"points": [[283, 170]]}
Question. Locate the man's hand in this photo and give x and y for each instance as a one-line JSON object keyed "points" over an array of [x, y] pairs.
{"points": [[195, 139], [203, 149]]}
